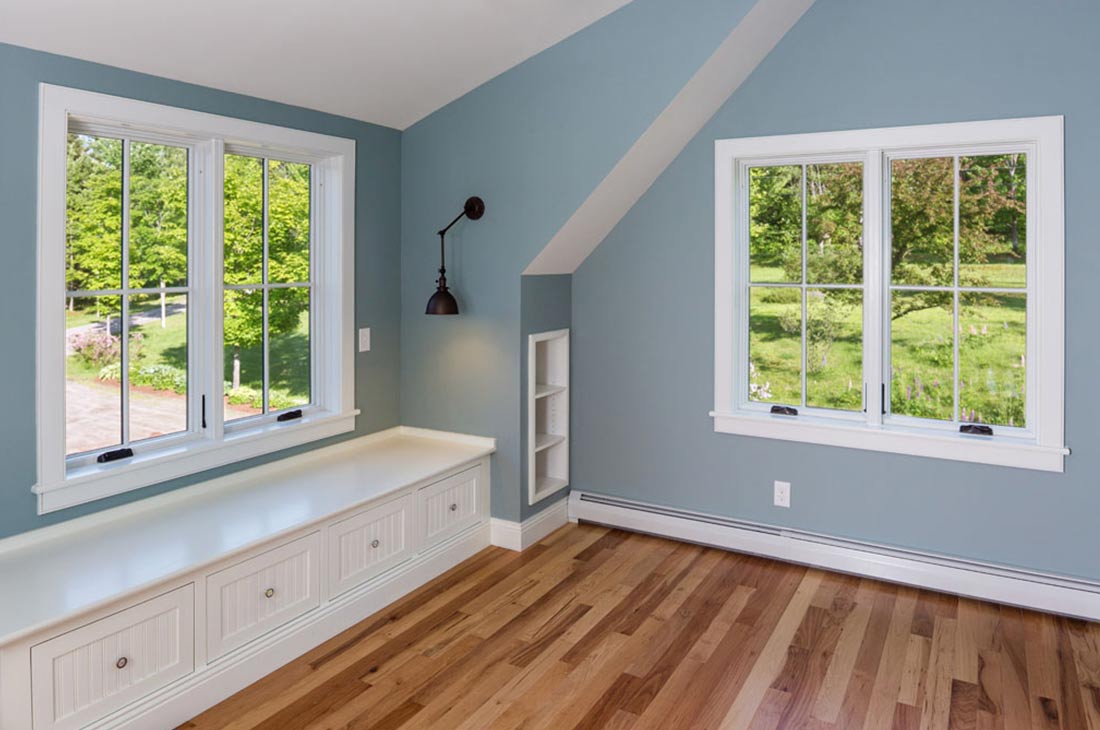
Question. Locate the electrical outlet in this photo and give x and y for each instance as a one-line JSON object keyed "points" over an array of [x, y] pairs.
{"points": [[364, 339], [782, 494]]}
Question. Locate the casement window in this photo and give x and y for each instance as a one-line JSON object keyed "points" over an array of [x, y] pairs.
{"points": [[194, 292], [894, 289]]}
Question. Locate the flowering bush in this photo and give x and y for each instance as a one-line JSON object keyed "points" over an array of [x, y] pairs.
{"points": [[157, 377]]}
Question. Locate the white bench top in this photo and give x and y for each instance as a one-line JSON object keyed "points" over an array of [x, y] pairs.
{"points": [[51, 576]]}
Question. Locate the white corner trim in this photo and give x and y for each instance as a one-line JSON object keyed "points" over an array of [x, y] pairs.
{"points": [[985, 581], [751, 40], [522, 535]]}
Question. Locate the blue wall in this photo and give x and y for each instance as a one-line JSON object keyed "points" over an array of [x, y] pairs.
{"points": [[377, 230], [546, 304], [533, 142], [643, 366]]}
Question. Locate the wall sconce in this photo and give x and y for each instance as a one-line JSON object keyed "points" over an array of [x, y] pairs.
{"points": [[443, 302]]}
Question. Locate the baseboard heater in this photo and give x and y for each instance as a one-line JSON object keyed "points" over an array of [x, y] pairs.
{"points": [[1063, 595]]}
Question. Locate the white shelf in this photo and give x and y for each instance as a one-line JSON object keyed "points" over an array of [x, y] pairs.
{"points": [[544, 389], [548, 485], [546, 440], [547, 414]]}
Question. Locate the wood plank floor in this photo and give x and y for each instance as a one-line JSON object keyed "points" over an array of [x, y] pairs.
{"points": [[598, 628]]}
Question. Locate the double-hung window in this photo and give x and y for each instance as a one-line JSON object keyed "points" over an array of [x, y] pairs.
{"points": [[195, 292], [894, 289]]}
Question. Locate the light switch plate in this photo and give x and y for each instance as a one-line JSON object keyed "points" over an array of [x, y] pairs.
{"points": [[364, 339]]}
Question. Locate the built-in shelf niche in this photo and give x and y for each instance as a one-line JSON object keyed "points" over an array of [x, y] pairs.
{"points": [[547, 414]]}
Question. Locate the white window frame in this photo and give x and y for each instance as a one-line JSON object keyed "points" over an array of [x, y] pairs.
{"points": [[63, 482], [1039, 446]]}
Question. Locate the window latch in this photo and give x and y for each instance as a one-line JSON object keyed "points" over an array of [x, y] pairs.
{"points": [[784, 411], [976, 429], [289, 415], [108, 456]]}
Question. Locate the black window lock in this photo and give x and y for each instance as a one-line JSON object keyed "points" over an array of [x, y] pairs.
{"points": [[289, 415], [976, 428], [115, 455], [784, 411]]}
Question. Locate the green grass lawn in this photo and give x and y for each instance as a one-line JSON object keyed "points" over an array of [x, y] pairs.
{"points": [[992, 345]]}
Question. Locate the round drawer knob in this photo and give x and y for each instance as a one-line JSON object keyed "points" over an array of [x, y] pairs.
{"points": [[269, 592], [122, 662], [454, 507], [375, 543]]}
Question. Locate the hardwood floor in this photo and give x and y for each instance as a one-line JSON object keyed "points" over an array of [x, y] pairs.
{"points": [[598, 628]]}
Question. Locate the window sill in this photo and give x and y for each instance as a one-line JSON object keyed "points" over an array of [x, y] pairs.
{"points": [[897, 440], [96, 481]]}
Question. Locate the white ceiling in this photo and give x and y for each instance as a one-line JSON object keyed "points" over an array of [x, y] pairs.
{"points": [[391, 62]]}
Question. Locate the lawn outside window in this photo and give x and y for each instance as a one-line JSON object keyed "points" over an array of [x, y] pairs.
{"points": [[194, 286], [895, 289]]}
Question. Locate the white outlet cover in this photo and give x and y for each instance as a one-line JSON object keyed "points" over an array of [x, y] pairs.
{"points": [[782, 494], [364, 339]]}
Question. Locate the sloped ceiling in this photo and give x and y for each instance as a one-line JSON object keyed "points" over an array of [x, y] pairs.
{"points": [[745, 47], [390, 62]]}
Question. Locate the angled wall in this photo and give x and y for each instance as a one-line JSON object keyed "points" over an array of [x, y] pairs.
{"points": [[377, 235], [534, 142], [643, 366]]}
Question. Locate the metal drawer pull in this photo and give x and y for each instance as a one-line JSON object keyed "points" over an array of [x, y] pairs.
{"points": [[122, 662], [269, 592], [454, 507], [375, 543]]}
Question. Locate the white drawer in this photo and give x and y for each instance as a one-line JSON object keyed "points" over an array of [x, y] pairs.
{"points": [[92, 671], [448, 506], [255, 596], [368, 543]]}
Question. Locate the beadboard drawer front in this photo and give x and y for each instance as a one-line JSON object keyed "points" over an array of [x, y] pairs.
{"points": [[368, 543], [448, 506], [92, 671], [255, 596]]}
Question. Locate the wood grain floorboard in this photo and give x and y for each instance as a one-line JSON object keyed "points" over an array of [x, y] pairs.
{"points": [[601, 629]]}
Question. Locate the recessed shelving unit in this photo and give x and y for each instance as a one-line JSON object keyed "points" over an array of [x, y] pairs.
{"points": [[547, 414]]}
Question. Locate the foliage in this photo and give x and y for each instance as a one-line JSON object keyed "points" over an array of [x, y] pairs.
{"points": [[99, 348], [157, 377]]}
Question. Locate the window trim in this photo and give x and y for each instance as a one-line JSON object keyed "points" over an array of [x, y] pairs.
{"points": [[333, 412], [1042, 445]]}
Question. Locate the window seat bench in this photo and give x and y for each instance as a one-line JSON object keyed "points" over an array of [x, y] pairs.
{"points": [[205, 589]]}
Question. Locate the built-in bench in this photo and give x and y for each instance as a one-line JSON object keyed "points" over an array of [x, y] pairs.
{"points": [[143, 615]]}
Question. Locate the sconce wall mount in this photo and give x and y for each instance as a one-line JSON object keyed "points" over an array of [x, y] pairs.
{"points": [[442, 301]]}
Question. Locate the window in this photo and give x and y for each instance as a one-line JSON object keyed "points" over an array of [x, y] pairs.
{"points": [[894, 289], [194, 292]]}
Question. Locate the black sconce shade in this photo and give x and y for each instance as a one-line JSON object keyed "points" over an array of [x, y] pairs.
{"points": [[442, 301]]}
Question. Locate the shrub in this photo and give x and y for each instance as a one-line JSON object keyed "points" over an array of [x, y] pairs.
{"points": [[100, 348], [157, 377]]}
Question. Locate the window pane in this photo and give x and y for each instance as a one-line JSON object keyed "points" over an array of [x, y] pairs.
{"points": [[158, 215], [834, 223], [93, 207], [922, 221], [834, 349], [158, 365], [775, 345], [775, 224], [922, 355], [244, 219], [244, 353], [993, 221], [288, 323], [93, 361], [288, 222], [992, 358]]}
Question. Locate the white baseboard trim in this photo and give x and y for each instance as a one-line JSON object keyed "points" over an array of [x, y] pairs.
{"points": [[182, 700], [522, 535], [1028, 589]]}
